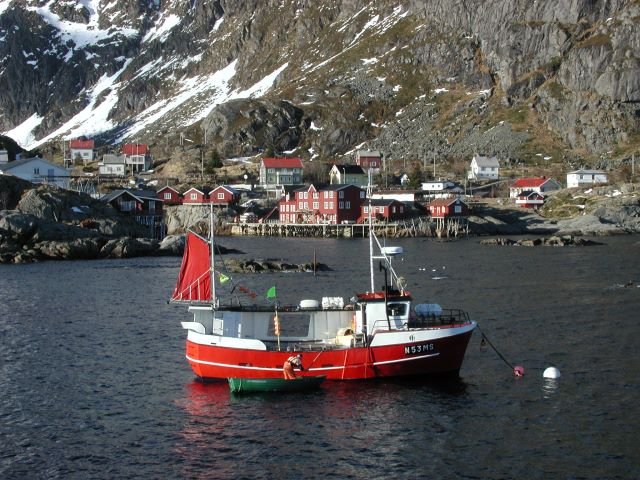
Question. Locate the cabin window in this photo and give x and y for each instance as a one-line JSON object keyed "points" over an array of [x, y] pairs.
{"points": [[361, 193], [396, 309], [220, 196], [341, 194], [167, 196], [457, 209]]}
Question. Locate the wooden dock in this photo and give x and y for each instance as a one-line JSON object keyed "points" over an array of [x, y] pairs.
{"points": [[416, 227]]}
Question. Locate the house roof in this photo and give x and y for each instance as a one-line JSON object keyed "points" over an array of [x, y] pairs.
{"points": [[135, 149], [367, 153], [529, 182], [285, 162], [139, 195], [445, 202], [201, 190], [587, 172], [16, 163], [350, 169], [529, 194], [167, 187], [381, 202], [81, 144], [113, 159], [227, 188], [486, 161]]}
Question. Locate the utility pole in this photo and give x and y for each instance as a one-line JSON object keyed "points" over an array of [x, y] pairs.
{"points": [[434, 165]]}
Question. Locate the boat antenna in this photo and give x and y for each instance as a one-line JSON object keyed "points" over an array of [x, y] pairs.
{"points": [[369, 218], [212, 261]]}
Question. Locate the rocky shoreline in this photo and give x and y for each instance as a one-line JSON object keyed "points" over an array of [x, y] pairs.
{"points": [[39, 223]]}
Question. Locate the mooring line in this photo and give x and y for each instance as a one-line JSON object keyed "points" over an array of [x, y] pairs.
{"points": [[484, 337]]}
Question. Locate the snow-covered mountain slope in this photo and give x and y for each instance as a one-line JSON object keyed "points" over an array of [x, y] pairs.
{"points": [[410, 78]]}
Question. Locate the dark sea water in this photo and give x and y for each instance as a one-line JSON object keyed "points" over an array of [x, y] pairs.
{"points": [[94, 383]]}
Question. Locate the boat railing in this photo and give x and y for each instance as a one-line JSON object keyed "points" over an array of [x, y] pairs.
{"points": [[447, 317]]}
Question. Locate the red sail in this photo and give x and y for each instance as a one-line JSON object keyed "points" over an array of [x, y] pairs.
{"points": [[194, 280]]}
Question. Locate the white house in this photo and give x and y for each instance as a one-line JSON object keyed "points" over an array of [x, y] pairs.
{"points": [[348, 174], [441, 189], [584, 178], [484, 168], [112, 164], [37, 170], [82, 149]]}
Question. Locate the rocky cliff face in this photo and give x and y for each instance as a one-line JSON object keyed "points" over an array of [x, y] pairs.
{"points": [[415, 79]]}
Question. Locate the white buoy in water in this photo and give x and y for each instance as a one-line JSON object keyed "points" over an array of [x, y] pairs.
{"points": [[551, 372]]}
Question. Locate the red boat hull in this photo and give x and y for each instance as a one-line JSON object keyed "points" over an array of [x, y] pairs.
{"points": [[438, 356]]}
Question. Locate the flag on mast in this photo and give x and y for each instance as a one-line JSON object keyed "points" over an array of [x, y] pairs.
{"points": [[271, 293], [223, 278]]}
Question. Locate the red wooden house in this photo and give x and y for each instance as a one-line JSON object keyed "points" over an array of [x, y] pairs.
{"points": [[366, 159], [382, 210], [137, 156], [224, 195], [332, 204], [540, 185], [530, 199], [169, 195], [448, 208], [195, 196]]}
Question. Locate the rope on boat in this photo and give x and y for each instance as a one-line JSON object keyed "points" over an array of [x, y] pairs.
{"points": [[517, 370]]}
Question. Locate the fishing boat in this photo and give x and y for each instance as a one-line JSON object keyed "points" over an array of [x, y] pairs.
{"points": [[374, 334], [258, 385]]}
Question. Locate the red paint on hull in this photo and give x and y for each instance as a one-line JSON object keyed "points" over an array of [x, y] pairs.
{"points": [[213, 362]]}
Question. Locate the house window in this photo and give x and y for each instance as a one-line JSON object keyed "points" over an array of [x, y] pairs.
{"points": [[220, 195], [315, 194], [167, 196], [341, 194], [341, 206], [330, 205], [331, 194], [193, 196], [316, 205], [347, 205], [270, 170], [152, 207], [361, 193], [393, 209], [457, 209], [36, 171], [326, 194], [326, 205], [128, 205], [366, 210]]}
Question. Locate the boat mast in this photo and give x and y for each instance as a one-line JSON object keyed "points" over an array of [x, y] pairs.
{"points": [[369, 192], [212, 260]]}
